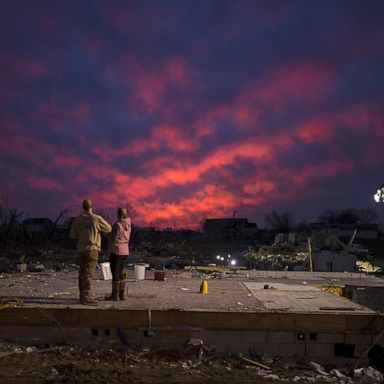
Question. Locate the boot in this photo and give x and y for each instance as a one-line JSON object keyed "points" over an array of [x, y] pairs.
{"points": [[86, 299], [84, 291], [115, 292], [122, 290]]}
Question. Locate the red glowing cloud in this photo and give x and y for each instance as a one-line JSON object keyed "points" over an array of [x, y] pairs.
{"points": [[325, 169], [67, 161], [318, 128], [299, 81], [174, 137], [189, 210], [151, 85]]}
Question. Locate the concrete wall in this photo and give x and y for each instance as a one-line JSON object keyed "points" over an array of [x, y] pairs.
{"points": [[322, 347], [371, 297], [304, 274], [328, 261]]}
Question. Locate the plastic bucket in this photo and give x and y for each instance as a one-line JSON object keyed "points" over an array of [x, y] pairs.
{"points": [[139, 271], [106, 271]]}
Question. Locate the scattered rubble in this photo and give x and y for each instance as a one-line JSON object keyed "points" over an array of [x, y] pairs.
{"points": [[282, 257], [57, 364], [366, 266], [318, 368], [27, 258]]}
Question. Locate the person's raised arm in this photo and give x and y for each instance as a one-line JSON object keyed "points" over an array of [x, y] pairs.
{"points": [[104, 225]]}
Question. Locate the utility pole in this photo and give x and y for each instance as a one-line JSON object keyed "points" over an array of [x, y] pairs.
{"points": [[310, 254]]}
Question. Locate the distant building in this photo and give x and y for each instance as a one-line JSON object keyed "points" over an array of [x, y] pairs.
{"points": [[38, 225], [229, 228]]}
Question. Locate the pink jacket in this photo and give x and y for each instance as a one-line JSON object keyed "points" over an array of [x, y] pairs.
{"points": [[119, 238]]}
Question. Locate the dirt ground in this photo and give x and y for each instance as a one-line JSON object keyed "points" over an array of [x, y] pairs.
{"points": [[65, 364]]}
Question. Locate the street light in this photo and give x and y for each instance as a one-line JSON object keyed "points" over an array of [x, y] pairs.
{"points": [[379, 195]]}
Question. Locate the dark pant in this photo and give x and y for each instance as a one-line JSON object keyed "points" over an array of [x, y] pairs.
{"points": [[88, 263], [117, 265]]}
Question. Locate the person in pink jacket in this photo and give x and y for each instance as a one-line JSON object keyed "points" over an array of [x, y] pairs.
{"points": [[118, 253]]}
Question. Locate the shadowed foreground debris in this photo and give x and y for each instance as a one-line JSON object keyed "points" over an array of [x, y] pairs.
{"points": [[63, 364]]}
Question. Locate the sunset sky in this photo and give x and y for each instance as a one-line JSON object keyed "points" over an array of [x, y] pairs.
{"points": [[191, 109]]}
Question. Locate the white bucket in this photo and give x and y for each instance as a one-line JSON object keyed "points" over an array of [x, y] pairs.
{"points": [[139, 271], [106, 271]]}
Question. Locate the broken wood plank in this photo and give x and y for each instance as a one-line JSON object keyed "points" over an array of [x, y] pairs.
{"points": [[254, 362]]}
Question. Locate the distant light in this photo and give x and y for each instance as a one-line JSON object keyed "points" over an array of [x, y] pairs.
{"points": [[233, 262], [222, 258], [379, 195], [229, 256], [218, 257]]}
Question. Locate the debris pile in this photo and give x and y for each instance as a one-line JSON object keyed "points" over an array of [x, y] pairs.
{"points": [[197, 362], [366, 266], [26, 258], [282, 257]]}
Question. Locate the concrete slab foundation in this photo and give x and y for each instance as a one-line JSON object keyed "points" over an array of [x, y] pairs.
{"points": [[237, 316]]}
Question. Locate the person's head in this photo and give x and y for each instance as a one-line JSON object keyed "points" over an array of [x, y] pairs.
{"points": [[122, 213], [87, 205]]}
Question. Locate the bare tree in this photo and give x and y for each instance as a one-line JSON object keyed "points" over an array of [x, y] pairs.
{"points": [[329, 216], [348, 216], [62, 214], [368, 216], [280, 221], [8, 223]]}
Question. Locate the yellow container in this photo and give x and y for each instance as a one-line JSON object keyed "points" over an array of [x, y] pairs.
{"points": [[204, 287]]}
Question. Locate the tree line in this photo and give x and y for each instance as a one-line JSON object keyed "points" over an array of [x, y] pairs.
{"points": [[284, 220]]}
